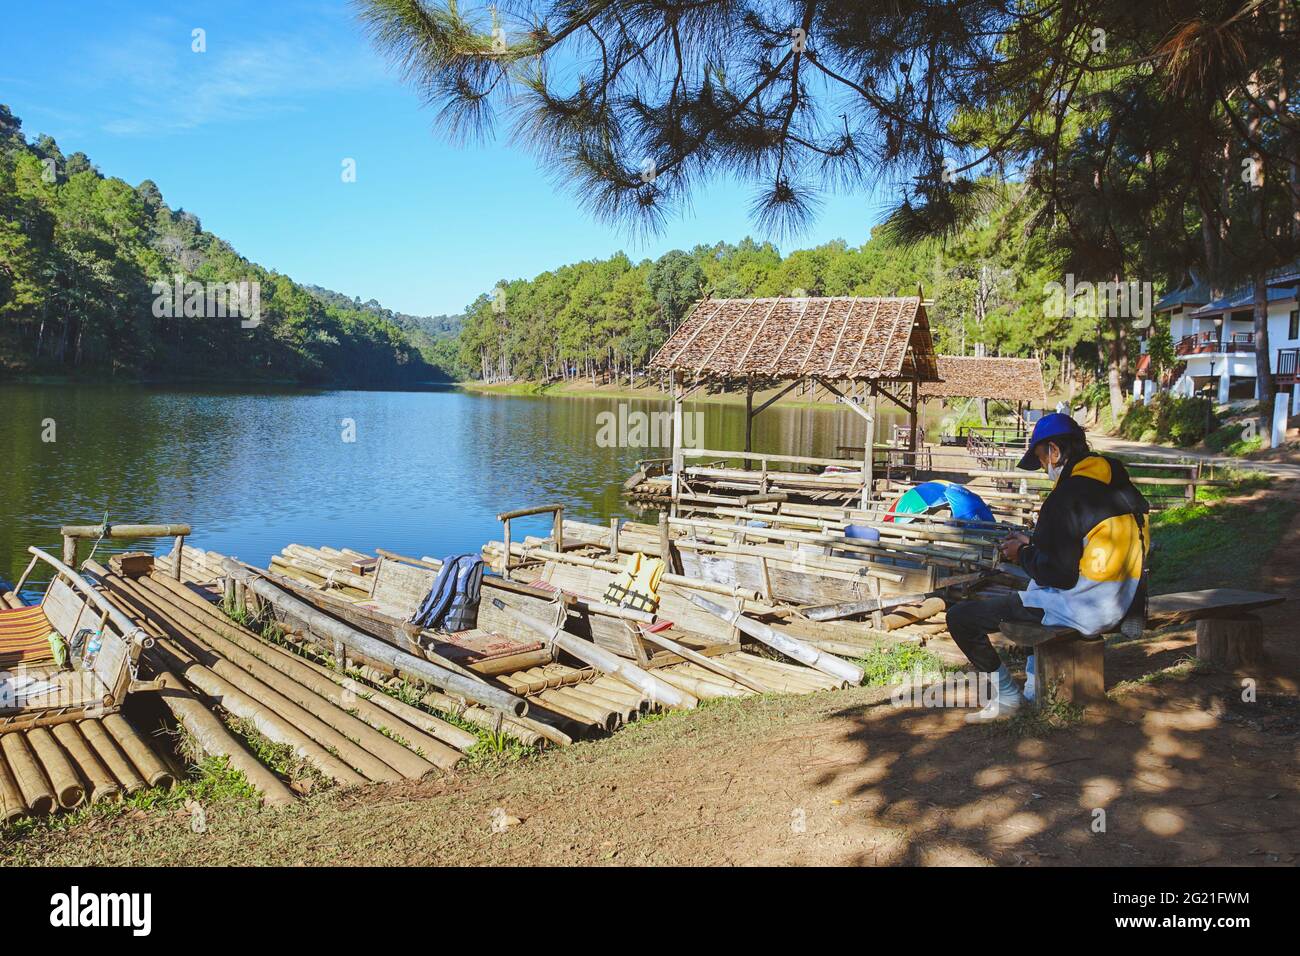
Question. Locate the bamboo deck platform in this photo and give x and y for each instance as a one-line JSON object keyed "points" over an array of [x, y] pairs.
{"points": [[362, 697]]}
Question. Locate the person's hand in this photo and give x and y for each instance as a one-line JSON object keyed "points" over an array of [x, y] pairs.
{"points": [[1010, 546]]}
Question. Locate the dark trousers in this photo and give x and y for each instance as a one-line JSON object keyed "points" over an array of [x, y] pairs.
{"points": [[971, 622]]}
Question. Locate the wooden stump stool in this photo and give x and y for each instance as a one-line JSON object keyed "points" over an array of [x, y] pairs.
{"points": [[1230, 642], [1073, 667], [1067, 664]]}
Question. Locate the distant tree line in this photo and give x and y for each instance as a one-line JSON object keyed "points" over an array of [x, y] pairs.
{"points": [[603, 319], [83, 257]]}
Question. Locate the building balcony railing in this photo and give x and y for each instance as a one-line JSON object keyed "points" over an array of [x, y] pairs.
{"points": [[1201, 343], [1287, 362]]}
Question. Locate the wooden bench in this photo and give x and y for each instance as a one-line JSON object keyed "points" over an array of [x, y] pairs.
{"points": [[1073, 664]]}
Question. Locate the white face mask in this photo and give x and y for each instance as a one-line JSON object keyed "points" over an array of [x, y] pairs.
{"points": [[1054, 468]]}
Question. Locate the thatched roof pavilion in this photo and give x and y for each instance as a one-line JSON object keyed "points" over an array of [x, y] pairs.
{"points": [[883, 343], [836, 338], [1004, 379]]}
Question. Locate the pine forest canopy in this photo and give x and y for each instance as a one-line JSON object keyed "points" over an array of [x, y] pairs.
{"points": [[1152, 139], [80, 252], [604, 319]]}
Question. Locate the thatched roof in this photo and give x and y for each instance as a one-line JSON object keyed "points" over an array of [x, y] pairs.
{"points": [[1008, 379], [835, 338]]}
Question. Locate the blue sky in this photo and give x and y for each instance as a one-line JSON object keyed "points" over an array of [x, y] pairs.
{"points": [[251, 136]]}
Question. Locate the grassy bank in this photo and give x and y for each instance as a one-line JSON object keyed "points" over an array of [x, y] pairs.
{"points": [[1222, 539], [579, 389]]}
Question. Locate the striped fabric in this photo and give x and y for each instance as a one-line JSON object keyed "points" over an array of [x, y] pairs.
{"points": [[23, 637]]}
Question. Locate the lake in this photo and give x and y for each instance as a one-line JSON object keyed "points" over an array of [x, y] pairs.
{"points": [[418, 472]]}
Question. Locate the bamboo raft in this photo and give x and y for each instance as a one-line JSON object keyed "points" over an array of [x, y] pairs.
{"points": [[71, 764], [598, 676], [362, 696]]}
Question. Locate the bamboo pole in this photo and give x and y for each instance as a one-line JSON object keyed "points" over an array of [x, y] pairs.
{"points": [[890, 548], [584, 692], [704, 690], [265, 720], [778, 683], [617, 690], [251, 677], [153, 770], [37, 795], [214, 739], [12, 805], [791, 647], [613, 567], [376, 708], [365, 645], [580, 710], [700, 660], [797, 671], [319, 697], [799, 676], [63, 778], [111, 755], [124, 531], [605, 661], [627, 710]]}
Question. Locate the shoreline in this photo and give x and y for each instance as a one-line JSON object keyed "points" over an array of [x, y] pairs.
{"points": [[653, 394]]}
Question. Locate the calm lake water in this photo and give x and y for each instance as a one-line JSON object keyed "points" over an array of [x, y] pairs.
{"points": [[253, 470]]}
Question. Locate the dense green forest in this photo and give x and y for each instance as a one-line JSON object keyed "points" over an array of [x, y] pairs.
{"points": [[80, 254], [84, 258], [603, 319]]}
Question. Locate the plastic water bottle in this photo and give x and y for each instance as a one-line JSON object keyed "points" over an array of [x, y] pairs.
{"points": [[77, 648], [92, 648], [1031, 690]]}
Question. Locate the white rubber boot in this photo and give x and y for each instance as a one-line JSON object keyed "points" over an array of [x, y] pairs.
{"points": [[1005, 702]]}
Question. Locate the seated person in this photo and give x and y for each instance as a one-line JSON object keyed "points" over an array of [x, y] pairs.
{"points": [[1084, 560]]}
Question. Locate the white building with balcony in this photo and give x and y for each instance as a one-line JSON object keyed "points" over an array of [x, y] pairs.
{"points": [[1214, 339]]}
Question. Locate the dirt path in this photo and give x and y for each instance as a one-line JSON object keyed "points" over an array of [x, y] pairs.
{"points": [[1185, 771], [1280, 463]]}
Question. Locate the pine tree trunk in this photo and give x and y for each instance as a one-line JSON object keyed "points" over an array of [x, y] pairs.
{"points": [[1115, 372], [1263, 368]]}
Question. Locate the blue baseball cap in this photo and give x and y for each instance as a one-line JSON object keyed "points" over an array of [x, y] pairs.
{"points": [[1054, 425]]}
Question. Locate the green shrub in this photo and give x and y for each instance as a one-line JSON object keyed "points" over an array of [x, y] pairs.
{"points": [[1169, 418], [1138, 421], [1231, 440]]}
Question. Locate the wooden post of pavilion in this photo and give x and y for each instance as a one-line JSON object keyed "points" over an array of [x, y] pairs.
{"points": [[869, 452], [749, 415], [677, 439], [912, 418]]}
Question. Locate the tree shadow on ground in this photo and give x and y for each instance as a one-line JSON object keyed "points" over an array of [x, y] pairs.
{"points": [[1178, 770]]}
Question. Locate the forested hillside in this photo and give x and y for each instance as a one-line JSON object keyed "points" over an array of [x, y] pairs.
{"points": [[432, 335], [84, 256], [603, 319], [80, 254]]}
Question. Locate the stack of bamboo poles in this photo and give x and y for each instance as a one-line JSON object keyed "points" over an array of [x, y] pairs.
{"points": [[63, 766], [921, 622], [569, 702], [326, 569], [326, 718], [924, 623], [197, 565]]}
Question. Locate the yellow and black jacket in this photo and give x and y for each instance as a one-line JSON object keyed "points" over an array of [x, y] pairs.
{"points": [[1088, 549]]}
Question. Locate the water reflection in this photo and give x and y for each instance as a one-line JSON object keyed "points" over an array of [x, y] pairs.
{"points": [[427, 473]]}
